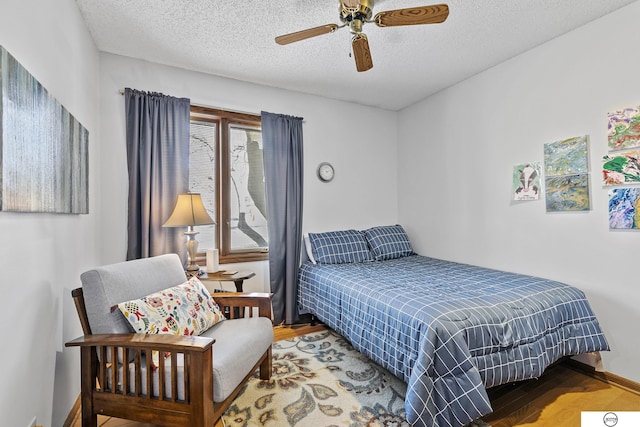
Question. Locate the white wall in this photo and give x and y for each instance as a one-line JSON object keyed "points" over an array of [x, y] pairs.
{"points": [[359, 141], [42, 255], [457, 150]]}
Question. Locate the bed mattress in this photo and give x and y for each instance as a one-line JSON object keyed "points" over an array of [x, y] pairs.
{"points": [[450, 330]]}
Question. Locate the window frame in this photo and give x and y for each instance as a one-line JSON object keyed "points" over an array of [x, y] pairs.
{"points": [[223, 119]]}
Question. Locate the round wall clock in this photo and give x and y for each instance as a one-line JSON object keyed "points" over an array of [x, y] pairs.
{"points": [[325, 172]]}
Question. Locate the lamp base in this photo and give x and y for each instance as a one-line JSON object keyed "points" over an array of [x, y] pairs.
{"points": [[192, 249], [193, 273]]}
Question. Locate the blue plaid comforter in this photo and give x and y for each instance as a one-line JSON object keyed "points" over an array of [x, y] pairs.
{"points": [[450, 330]]}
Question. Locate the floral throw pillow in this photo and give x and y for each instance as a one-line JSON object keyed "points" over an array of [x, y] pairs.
{"points": [[186, 309]]}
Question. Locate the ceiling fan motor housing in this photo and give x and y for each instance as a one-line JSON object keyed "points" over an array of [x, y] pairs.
{"points": [[355, 13]]}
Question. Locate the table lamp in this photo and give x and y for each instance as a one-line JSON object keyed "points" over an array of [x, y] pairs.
{"points": [[188, 212]]}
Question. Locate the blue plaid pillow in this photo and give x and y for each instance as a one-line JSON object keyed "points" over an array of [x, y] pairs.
{"points": [[388, 242], [339, 247]]}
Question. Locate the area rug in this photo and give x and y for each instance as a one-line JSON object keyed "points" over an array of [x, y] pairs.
{"points": [[320, 380]]}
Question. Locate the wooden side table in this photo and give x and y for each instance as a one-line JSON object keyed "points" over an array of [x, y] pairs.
{"points": [[237, 278]]}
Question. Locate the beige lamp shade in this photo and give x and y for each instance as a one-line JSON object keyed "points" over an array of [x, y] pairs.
{"points": [[188, 211]]}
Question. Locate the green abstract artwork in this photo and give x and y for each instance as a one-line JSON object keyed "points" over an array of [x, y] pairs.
{"points": [[621, 168]]}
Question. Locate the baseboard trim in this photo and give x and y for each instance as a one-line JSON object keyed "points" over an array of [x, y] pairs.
{"points": [[604, 376], [74, 415], [607, 377]]}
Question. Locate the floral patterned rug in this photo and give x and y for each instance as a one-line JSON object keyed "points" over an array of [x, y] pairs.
{"points": [[320, 380]]}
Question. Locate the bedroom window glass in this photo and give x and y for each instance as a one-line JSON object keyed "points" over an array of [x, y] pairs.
{"points": [[225, 166]]}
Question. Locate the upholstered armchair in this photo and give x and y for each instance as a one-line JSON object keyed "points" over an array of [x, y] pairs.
{"points": [[164, 379]]}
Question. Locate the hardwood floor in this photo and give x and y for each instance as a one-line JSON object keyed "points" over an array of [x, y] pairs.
{"points": [[556, 399]]}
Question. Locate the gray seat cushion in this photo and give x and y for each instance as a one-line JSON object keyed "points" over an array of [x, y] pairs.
{"points": [[239, 345]]}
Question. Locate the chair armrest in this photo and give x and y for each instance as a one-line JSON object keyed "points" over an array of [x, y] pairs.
{"points": [[261, 300], [102, 360], [161, 342]]}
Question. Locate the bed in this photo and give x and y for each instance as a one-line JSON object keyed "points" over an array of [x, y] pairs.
{"points": [[449, 330]]}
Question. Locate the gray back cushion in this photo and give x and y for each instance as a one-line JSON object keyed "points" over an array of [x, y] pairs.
{"points": [[105, 287]]}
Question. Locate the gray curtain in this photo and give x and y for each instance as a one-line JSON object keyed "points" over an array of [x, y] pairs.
{"points": [[158, 165], [283, 170]]}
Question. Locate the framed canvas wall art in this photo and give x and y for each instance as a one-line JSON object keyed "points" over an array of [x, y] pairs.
{"points": [[624, 208], [566, 165], [43, 148], [624, 129]]}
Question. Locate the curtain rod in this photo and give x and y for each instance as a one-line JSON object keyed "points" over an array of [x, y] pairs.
{"points": [[226, 110], [121, 91]]}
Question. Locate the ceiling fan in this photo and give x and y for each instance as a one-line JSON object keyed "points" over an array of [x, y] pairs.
{"points": [[355, 13]]}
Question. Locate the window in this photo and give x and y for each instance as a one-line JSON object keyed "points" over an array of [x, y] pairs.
{"points": [[225, 167]]}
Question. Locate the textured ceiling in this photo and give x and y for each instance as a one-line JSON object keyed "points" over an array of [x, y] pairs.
{"points": [[235, 38]]}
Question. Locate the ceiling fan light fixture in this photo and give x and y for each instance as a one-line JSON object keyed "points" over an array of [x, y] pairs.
{"points": [[355, 26]]}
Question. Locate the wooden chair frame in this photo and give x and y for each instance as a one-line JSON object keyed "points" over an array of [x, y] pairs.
{"points": [[197, 408]]}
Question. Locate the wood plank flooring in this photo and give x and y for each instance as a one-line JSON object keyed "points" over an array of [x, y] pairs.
{"points": [[555, 400]]}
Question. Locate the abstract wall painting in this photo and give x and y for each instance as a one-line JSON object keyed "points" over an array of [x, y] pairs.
{"points": [[566, 165], [621, 168], [624, 129], [567, 193], [624, 208], [43, 148], [526, 181], [567, 157]]}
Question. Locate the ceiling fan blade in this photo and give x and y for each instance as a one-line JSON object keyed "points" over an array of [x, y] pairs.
{"points": [[433, 14], [306, 34], [361, 52]]}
